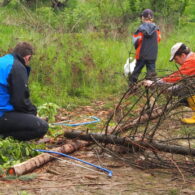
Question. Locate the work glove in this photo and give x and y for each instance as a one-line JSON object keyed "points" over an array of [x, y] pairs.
{"points": [[148, 83]]}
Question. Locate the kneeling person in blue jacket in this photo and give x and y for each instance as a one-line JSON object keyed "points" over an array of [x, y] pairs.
{"points": [[17, 114]]}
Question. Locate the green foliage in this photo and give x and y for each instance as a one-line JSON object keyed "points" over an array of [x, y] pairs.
{"points": [[187, 131], [28, 177], [189, 14], [48, 110], [47, 14], [174, 192], [79, 18], [23, 193], [107, 14], [170, 10], [13, 151], [81, 50], [55, 130]]}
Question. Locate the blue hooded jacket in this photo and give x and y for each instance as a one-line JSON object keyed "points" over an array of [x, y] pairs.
{"points": [[6, 64], [14, 92]]}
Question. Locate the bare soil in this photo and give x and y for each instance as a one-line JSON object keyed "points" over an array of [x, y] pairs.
{"points": [[59, 177]]}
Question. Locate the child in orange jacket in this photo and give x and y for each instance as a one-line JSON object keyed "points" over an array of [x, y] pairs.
{"points": [[145, 41]]}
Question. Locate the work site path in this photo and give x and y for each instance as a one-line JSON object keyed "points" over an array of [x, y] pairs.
{"points": [[60, 178]]}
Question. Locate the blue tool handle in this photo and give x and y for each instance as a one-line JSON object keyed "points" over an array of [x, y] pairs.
{"points": [[74, 158], [78, 124]]}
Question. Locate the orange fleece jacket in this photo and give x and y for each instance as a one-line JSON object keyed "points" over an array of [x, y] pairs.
{"points": [[186, 69]]}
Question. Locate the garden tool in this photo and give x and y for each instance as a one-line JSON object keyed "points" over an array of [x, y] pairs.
{"points": [[191, 104], [109, 172]]}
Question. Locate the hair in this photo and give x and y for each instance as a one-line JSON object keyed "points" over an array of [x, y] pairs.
{"points": [[147, 18], [23, 49], [183, 49], [147, 14]]}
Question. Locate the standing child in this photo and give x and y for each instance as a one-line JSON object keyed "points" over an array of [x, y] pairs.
{"points": [[145, 41]]}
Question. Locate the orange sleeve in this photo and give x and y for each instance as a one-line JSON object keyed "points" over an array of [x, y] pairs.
{"points": [[187, 69], [139, 38], [158, 36]]}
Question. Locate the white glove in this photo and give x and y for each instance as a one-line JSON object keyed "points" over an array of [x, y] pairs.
{"points": [[148, 83]]}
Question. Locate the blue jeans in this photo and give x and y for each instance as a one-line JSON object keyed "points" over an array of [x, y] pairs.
{"points": [[150, 67]]}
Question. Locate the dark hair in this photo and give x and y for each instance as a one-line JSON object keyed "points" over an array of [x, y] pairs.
{"points": [[183, 49], [147, 14], [23, 49]]}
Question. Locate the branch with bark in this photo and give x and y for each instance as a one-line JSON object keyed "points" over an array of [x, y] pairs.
{"points": [[131, 143], [42, 159], [141, 154]]}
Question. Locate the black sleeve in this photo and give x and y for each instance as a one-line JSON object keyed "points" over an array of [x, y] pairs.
{"points": [[19, 92]]}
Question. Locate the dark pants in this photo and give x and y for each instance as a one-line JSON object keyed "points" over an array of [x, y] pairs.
{"points": [[150, 67], [22, 126]]}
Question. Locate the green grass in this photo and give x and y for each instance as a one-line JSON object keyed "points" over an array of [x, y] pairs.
{"points": [[74, 68]]}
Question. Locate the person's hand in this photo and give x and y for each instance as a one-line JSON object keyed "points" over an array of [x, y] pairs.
{"points": [[148, 83]]}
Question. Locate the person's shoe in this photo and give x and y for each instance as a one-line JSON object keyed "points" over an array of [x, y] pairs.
{"points": [[191, 104]]}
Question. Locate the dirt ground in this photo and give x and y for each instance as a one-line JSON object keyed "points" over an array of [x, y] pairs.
{"points": [[60, 177]]}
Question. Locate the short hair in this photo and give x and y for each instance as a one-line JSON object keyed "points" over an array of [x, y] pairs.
{"points": [[147, 14], [183, 49], [23, 49]]}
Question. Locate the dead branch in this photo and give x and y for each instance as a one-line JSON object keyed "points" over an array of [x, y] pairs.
{"points": [[144, 118], [132, 144], [41, 159]]}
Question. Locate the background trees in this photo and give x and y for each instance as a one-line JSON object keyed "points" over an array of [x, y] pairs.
{"points": [[123, 11]]}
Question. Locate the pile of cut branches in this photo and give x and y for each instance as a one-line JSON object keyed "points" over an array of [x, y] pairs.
{"points": [[146, 123]]}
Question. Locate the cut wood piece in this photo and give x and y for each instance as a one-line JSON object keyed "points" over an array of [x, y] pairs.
{"points": [[127, 142], [41, 159]]}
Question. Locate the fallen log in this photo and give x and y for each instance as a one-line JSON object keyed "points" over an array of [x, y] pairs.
{"points": [[41, 159], [132, 144]]}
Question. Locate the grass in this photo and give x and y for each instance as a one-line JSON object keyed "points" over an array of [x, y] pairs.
{"points": [[74, 68]]}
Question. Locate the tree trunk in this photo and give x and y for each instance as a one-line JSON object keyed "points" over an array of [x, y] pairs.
{"points": [[135, 145]]}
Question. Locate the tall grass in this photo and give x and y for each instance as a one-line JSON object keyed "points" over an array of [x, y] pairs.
{"points": [[73, 68], [184, 32]]}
